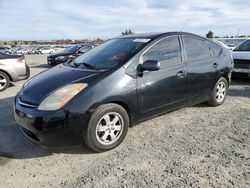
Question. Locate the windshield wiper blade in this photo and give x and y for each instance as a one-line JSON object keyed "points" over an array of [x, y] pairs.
{"points": [[72, 63], [90, 66]]}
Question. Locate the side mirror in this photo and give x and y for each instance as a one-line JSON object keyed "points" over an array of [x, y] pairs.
{"points": [[150, 65]]}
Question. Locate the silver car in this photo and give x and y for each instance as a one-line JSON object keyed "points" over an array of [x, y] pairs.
{"points": [[12, 68], [5, 49]]}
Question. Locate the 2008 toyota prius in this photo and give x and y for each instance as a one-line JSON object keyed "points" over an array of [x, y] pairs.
{"points": [[97, 96]]}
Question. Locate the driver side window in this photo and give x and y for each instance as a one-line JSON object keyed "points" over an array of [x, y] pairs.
{"points": [[167, 51]]}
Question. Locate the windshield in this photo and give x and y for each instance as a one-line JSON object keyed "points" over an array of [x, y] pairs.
{"points": [[111, 53], [72, 48], [245, 46]]}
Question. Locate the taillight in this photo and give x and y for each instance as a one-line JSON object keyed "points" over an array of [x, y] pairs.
{"points": [[21, 60]]}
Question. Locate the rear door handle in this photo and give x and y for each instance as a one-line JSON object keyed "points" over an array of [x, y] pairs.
{"points": [[215, 65], [181, 74]]}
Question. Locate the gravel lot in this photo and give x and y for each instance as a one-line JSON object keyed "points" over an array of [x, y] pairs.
{"points": [[196, 146]]}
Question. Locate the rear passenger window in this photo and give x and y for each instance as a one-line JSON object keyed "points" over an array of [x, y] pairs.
{"points": [[216, 49], [166, 51], [196, 49]]}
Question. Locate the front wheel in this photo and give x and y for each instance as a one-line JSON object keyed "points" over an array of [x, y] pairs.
{"points": [[107, 127], [219, 92]]}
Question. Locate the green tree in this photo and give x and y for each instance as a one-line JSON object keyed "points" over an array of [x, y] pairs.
{"points": [[210, 35], [98, 41], [127, 32]]}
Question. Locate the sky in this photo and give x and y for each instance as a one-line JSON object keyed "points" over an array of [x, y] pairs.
{"points": [[89, 19]]}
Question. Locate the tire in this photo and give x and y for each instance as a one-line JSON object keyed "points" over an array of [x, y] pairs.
{"points": [[102, 135], [4, 81], [219, 92]]}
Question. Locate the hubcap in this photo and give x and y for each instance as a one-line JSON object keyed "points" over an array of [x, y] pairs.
{"points": [[109, 128], [3, 81], [220, 91]]}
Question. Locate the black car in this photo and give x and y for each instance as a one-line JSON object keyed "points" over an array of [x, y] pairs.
{"points": [[126, 80], [69, 54]]}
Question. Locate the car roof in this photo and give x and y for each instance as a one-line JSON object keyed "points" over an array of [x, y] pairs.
{"points": [[157, 35]]}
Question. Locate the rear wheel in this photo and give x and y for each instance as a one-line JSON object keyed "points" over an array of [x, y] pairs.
{"points": [[4, 81], [219, 92], [107, 127]]}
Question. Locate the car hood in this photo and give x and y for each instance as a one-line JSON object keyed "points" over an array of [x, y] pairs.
{"points": [[40, 86], [241, 55], [64, 53]]}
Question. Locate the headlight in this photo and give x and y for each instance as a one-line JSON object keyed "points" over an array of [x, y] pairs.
{"points": [[61, 97], [60, 58]]}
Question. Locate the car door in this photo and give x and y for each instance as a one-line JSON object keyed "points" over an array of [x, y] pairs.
{"points": [[202, 66], [167, 88]]}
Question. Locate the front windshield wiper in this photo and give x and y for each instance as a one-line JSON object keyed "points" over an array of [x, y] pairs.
{"points": [[71, 63], [76, 65], [88, 65]]}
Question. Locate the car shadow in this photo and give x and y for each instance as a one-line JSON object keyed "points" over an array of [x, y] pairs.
{"points": [[14, 145], [244, 91], [241, 81]]}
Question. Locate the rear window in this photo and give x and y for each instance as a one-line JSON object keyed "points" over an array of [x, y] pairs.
{"points": [[196, 49]]}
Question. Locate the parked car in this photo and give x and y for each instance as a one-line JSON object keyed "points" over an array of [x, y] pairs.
{"points": [[22, 51], [12, 69], [126, 80], [241, 56], [45, 50], [231, 46], [69, 54], [5, 49]]}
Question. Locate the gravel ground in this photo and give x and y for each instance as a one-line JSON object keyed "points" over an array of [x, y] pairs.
{"points": [[198, 146]]}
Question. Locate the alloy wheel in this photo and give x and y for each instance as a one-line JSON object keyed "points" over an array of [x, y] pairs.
{"points": [[220, 91], [109, 128]]}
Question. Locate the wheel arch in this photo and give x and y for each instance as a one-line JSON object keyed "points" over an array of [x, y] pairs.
{"points": [[131, 114], [11, 79], [126, 107]]}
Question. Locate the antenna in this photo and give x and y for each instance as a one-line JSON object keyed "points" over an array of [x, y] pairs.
{"points": [[183, 27], [238, 33]]}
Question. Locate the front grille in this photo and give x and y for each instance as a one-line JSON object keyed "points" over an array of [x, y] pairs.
{"points": [[50, 59], [242, 64], [25, 104]]}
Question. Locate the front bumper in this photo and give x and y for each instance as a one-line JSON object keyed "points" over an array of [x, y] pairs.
{"points": [[50, 129], [241, 68], [241, 73], [54, 61]]}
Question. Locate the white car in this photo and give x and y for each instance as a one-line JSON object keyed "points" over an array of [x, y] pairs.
{"points": [[46, 50], [228, 46], [241, 56], [22, 51]]}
